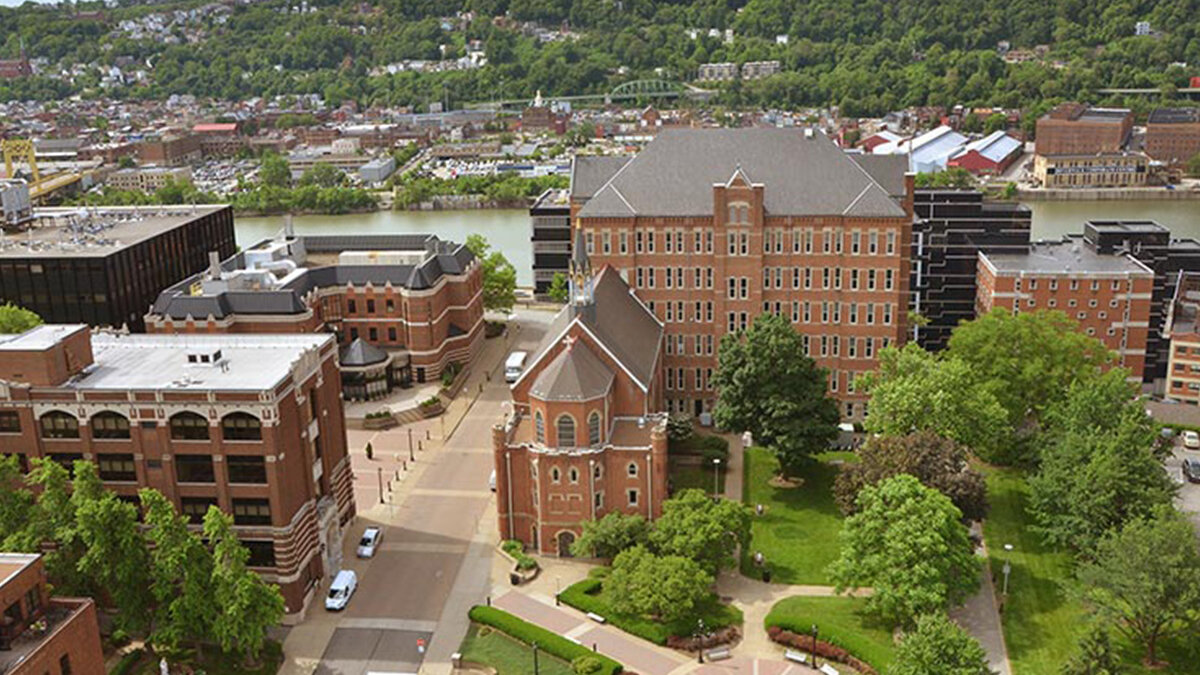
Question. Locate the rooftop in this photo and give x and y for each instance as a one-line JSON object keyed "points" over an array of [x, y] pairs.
{"points": [[1070, 256], [91, 232], [1110, 115], [1127, 226], [39, 338], [552, 199], [1175, 116], [995, 146], [12, 563]]}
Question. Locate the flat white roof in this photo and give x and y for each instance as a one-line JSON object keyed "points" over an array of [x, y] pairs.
{"points": [[39, 338]]}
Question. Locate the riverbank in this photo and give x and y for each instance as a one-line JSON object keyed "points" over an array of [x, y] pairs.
{"points": [[1107, 195], [465, 203]]}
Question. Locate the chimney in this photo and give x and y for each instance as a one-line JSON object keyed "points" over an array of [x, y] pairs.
{"points": [[214, 264], [289, 230]]}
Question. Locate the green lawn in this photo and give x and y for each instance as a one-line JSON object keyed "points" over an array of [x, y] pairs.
{"points": [[588, 596], [490, 647], [685, 475], [215, 662], [839, 620], [1042, 620], [798, 534]]}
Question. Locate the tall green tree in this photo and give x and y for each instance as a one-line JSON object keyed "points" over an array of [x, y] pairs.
{"points": [[323, 174], [181, 573], [937, 646], [608, 536], [768, 385], [1028, 360], [699, 528], [246, 607], [558, 290], [916, 391], [499, 276], [1094, 654], [16, 504], [14, 319], [666, 587], [908, 543], [937, 462], [53, 520], [1145, 579], [116, 559], [274, 171]]}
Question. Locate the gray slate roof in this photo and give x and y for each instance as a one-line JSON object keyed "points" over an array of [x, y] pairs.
{"points": [[590, 173], [576, 374], [361, 353], [674, 175], [620, 322], [887, 170]]}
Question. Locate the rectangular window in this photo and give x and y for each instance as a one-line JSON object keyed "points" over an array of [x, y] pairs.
{"points": [[870, 280], [887, 314], [854, 280], [637, 241], [64, 664], [732, 322], [651, 273], [251, 512], [808, 241], [888, 279], [194, 508], [807, 312], [833, 380], [696, 280], [590, 243], [732, 237], [745, 283], [732, 282], [855, 243], [873, 243], [10, 422], [891, 243], [807, 278], [194, 469], [116, 467], [370, 305], [825, 278], [623, 242], [262, 553], [870, 313], [246, 469], [641, 277], [391, 334], [708, 311], [796, 278], [650, 241], [708, 278], [827, 241], [633, 497], [606, 242], [837, 244]]}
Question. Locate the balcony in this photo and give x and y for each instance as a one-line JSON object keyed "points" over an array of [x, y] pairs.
{"points": [[56, 616]]}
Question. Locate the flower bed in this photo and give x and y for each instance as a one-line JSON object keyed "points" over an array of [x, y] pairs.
{"points": [[525, 568], [553, 643]]}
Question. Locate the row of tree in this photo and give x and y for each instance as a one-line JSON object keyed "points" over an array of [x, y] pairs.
{"points": [[163, 580]]}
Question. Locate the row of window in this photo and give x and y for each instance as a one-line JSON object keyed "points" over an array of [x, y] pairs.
{"points": [[631, 471], [1115, 284], [185, 426], [1072, 302], [702, 345], [564, 428], [828, 241], [773, 277], [241, 469], [245, 511]]}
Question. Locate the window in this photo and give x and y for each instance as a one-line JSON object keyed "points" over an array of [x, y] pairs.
{"points": [[110, 425], [633, 497], [351, 306], [251, 512], [188, 426], [116, 467], [564, 427], [59, 424], [10, 422], [390, 305], [598, 500], [594, 428], [241, 427], [631, 470], [246, 469], [194, 469], [370, 305], [555, 475], [573, 475], [64, 664], [195, 508], [539, 427], [262, 553]]}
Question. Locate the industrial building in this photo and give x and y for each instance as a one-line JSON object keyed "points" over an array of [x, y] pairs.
{"points": [[990, 155], [1173, 135], [1079, 129]]}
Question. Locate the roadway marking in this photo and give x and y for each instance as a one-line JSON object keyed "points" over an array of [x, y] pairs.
{"points": [[412, 625], [417, 547]]}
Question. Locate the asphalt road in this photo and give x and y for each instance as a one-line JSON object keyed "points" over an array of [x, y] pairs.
{"points": [[1188, 499]]}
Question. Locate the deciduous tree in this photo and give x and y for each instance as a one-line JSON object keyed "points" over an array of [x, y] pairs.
{"points": [[14, 319], [908, 543], [768, 385], [1146, 579], [1094, 655], [608, 536], [499, 276], [937, 462], [699, 528], [665, 587], [274, 171], [558, 290], [938, 646], [246, 607], [115, 558], [181, 573]]}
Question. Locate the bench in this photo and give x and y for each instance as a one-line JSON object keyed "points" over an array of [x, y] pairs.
{"points": [[596, 617], [828, 669], [718, 654], [798, 657]]}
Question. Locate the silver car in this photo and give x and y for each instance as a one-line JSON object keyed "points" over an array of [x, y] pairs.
{"points": [[369, 542]]}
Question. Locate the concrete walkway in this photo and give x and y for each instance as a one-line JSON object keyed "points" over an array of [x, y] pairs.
{"points": [[980, 617]]}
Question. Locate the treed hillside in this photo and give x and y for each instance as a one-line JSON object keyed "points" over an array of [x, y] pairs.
{"points": [[868, 56]]}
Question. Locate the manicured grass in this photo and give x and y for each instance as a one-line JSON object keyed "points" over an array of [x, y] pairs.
{"points": [[839, 620], [549, 642], [215, 662], [490, 647], [588, 596], [798, 533], [1042, 619], [685, 475]]}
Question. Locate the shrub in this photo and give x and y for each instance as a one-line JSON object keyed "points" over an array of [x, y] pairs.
{"points": [[679, 428], [552, 643], [127, 662], [516, 549], [587, 665], [706, 445], [825, 650], [431, 402], [450, 372], [370, 452]]}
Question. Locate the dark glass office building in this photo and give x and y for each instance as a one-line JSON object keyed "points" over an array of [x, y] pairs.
{"points": [[550, 225], [106, 266]]}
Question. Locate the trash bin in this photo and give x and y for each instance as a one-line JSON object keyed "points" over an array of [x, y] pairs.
{"points": [[766, 576], [514, 578]]}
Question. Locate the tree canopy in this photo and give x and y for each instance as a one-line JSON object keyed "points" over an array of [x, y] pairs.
{"points": [[608, 536], [697, 527], [937, 646], [665, 587], [14, 319], [768, 385], [499, 276]]}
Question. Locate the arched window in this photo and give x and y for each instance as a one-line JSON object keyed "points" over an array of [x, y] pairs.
{"points": [[565, 428], [555, 475], [594, 428], [241, 427], [110, 425], [58, 424], [539, 427], [632, 470], [188, 426], [597, 471], [732, 213], [744, 213], [573, 475]]}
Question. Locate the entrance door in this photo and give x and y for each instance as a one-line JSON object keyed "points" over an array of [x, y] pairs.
{"points": [[699, 406], [565, 539]]}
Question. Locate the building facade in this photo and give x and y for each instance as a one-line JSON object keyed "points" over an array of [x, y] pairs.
{"points": [[1173, 134], [1107, 294], [550, 225], [1079, 129], [250, 424], [585, 437], [15, 206], [104, 267], [713, 227], [414, 296], [950, 229], [170, 150], [69, 644], [1117, 169], [148, 179], [1183, 335]]}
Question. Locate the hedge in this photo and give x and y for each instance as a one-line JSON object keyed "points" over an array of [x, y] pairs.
{"points": [[707, 446], [552, 643], [586, 596]]}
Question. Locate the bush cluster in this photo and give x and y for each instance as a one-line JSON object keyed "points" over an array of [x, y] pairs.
{"points": [[551, 643], [708, 446], [517, 550], [825, 650]]}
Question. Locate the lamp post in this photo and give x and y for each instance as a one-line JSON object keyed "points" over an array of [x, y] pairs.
{"points": [[1007, 569], [411, 456], [814, 645], [535, 658], [379, 474], [716, 475], [700, 641]]}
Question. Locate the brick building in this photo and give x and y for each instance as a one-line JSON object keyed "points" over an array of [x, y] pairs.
{"points": [[585, 438], [1079, 129], [712, 227], [69, 644], [1103, 170], [148, 179], [104, 267], [414, 296], [170, 150], [1183, 334], [251, 424], [1108, 294], [1173, 134], [990, 155]]}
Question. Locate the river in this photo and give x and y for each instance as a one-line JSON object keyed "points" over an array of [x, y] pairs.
{"points": [[508, 230]]}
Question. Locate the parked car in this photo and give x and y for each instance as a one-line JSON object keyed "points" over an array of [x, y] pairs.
{"points": [[1191, 469], [369, 542], [1191, 439], [343, 586]]}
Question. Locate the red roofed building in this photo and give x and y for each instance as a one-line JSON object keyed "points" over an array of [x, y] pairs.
{"points": [[216, 128]]}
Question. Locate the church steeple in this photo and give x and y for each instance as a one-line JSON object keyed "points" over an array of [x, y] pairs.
{"points": [[580, 272]]}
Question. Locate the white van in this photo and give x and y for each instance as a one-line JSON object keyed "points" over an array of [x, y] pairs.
{"points": [[514, 366], [343, 586]]}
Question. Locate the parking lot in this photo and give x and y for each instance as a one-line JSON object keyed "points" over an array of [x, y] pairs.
{"points": [[1189, 493]]}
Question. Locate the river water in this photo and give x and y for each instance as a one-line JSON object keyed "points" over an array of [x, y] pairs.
{"points": [[508, 230]]}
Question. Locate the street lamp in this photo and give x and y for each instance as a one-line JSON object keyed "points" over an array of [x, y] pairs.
{"points": [[411, 456], [535, 659], [814, 645], [716, 475], [700, 641], [1007, 569]]}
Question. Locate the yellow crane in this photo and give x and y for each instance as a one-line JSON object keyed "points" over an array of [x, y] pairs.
{"points": [[21, 150]]}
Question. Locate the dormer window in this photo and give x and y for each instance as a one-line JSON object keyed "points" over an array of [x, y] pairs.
{"points": [[204, 357]]}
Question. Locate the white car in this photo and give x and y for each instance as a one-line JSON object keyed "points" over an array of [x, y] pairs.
{"points": [[343, 586], [369, 542], [1191, 439]]}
